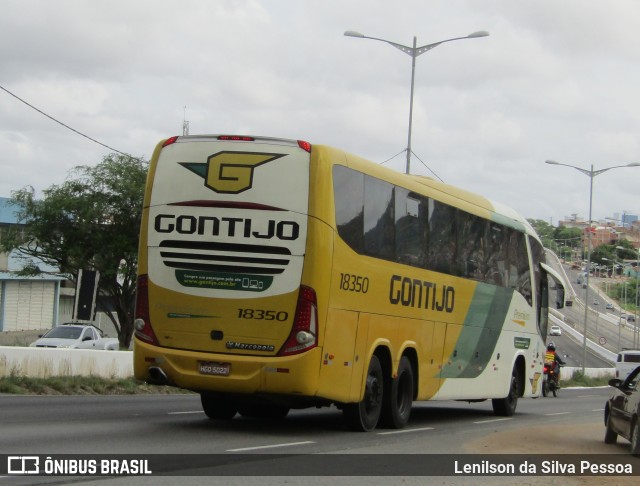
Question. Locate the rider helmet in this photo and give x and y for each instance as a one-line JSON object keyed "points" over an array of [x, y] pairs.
{"points": [[551, 347]]}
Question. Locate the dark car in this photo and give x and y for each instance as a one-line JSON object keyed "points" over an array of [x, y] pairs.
{"points": [[622, 411]]}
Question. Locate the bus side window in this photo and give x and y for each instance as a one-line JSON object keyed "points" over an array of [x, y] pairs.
{"points": [[442, 237], [411, 227], [471, 246], [379, 225], [519, 274], [348, 187]]}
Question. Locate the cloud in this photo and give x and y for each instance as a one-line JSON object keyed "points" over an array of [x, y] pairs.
{"points": [[555, 80]]}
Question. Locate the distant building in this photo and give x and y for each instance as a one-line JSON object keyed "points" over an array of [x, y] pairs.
{"points": [[606, 232], [626, 220], [25, 302]]}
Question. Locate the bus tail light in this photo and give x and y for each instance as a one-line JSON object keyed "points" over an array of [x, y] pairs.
{"points": [[304, 145], [169, 141], [142, 322], [304, 332]]}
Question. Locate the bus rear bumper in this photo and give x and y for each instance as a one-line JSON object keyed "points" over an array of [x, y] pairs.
{"points": [[228, 373]]}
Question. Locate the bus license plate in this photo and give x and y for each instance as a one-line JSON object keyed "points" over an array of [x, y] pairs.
{"points": [[214, 368]]}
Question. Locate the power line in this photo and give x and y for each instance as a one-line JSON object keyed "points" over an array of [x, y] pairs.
{"points": [[428, 168], [63, 124], [390, 159]]}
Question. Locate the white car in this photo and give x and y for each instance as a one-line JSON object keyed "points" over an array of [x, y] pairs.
{"points": [[628, 360], [76, 336], [555, 331]]}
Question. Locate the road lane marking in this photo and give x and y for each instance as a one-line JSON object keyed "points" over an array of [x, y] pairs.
{"points": [[404, 431], [598, 410], [492, 420], [556, 413], [184, 413], [272, 446]]}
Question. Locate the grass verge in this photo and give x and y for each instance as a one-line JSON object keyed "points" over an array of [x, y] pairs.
{"points": [[579, 379], [79, 385]]}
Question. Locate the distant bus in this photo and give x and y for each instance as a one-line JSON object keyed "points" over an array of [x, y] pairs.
{"points": [[276, 274]]}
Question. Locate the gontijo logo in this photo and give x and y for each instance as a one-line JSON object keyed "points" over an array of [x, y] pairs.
{"points": [[230, 172]]}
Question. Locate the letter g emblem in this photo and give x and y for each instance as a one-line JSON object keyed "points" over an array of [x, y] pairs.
{"points": [[232, 172]]}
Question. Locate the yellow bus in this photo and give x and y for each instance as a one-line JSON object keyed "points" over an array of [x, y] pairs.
{"points": [[276, 274]]}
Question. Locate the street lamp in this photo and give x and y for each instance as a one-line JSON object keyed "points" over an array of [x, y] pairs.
{"points": [[591, 173], [414, 52], [635, 301], [620, 322]]}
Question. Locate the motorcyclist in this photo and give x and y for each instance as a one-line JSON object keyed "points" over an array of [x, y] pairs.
{"points": [[552, 359]]}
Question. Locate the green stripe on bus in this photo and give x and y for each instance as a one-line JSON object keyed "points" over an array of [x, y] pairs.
{"points": [[479, 336], [506, 221]]}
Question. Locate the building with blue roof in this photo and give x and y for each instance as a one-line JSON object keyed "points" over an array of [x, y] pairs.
{"points": [[26, 303], [7, 212]]}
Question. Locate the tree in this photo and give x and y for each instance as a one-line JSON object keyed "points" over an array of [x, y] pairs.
{"points": [[91, 221], [626, 251], [545, 232], [603, 255], [569, 239]]}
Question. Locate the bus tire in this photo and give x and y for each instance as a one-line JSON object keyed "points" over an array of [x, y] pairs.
{"points": [[506, 407], [218, 407], [364, 415], [398, 398]]}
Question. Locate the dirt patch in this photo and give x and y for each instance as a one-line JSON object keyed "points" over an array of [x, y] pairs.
{"points": [[564, 439], [587, 438]]}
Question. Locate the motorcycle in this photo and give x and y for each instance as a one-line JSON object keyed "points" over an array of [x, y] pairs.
{"points": [[551, 380]]}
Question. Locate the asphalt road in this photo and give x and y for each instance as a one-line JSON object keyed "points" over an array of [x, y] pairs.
{"points": [[604, 331], [175, 424]]}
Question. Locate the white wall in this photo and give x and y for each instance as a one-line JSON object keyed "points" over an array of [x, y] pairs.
{"points": [[46, 362], [567, 372], [28, 304]]}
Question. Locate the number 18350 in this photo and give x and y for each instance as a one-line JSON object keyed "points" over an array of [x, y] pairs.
{"points": [[354, 283]]}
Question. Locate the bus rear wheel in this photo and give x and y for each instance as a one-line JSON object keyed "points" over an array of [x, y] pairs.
{"points": [[506, 407], [398, 398], [364, 415], [218, 407]]}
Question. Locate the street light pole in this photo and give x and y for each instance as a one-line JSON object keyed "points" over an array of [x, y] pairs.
{"points": [[635, 323], [591, 173], [414, 52], [635, 300], [620, 316]]}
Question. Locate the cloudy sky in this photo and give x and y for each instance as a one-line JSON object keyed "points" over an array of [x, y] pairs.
{"points": [[554, 80]]}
